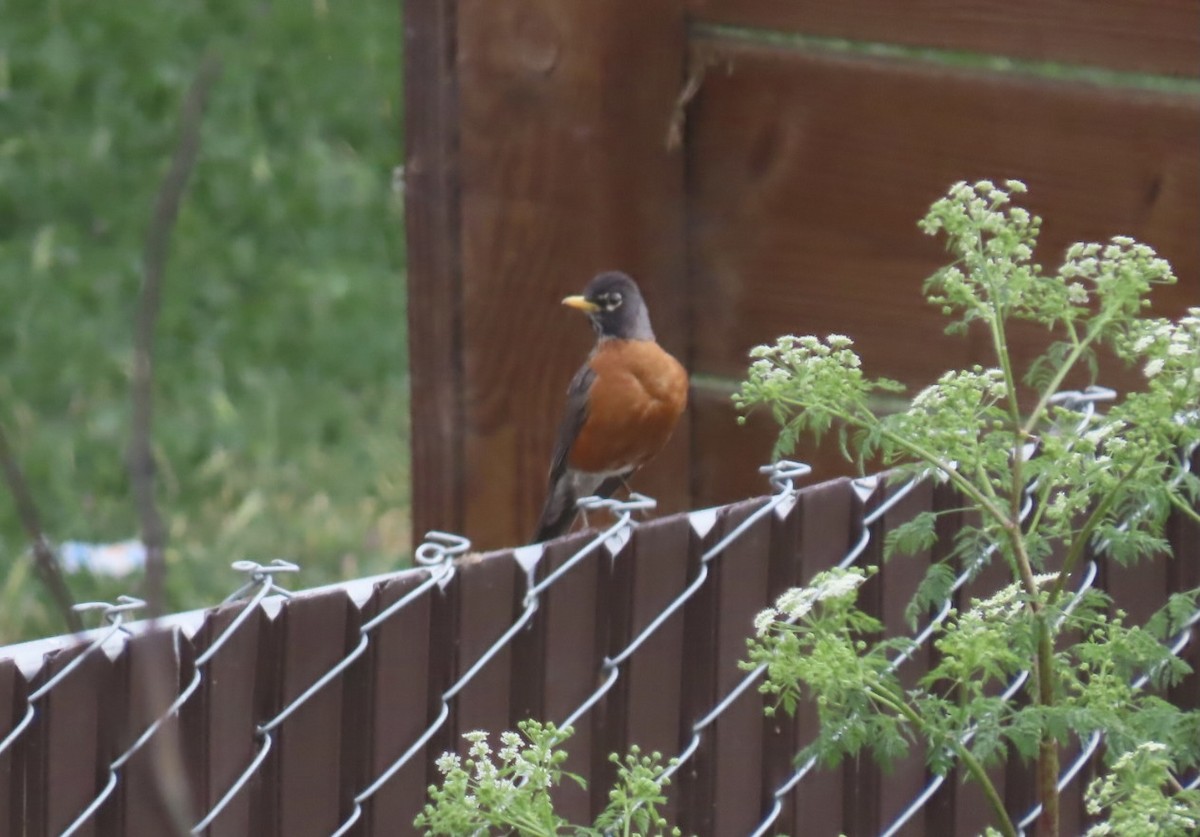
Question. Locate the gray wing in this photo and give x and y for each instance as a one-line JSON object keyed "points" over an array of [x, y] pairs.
{"points": [[574, 416], [558, 512]]}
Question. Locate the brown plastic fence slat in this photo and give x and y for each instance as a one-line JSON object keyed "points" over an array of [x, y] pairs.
{"points": [[13, 692], [490, 588], [741, 579], [643, 708], [236, 694], [802, 224], [899, 577], [1184, 574], [861, 813], [559, 180], [153, 782], [779, 729], [829, 527], [314, 631], [573, 624], [70, 741], [400, 652], [696, 779], [971, 812], [1159, 37]]}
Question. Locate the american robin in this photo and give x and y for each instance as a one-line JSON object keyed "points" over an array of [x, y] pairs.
{"points": [[622, 404]]}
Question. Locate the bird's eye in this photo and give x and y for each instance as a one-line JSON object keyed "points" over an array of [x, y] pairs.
{"points": [[610, 301]]}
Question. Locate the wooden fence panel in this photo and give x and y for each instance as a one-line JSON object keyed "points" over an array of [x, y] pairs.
{"points": [[548, 141], [1121, 34], [804, 218], [553, 183]]}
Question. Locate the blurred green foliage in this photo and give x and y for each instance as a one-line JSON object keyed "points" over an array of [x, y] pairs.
{"points": [[281, 362]]}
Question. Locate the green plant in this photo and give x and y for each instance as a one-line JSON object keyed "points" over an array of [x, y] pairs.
{"points": [[511, 791], [1108, 483]]}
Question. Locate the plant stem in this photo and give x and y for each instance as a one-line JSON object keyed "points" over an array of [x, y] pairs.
{"points": [[897, 704], [1047, 770], [1084, 535], [1035, 416]]}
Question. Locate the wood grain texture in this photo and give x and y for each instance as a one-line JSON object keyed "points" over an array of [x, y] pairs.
{"points": [[808, 174], [431, 202], [726, 456], [564, 172], [1160, 37]]}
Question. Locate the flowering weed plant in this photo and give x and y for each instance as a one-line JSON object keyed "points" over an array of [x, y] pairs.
{"points": [[510, 791], [1041, 479]]}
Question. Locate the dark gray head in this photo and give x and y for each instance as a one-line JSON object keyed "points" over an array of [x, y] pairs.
{"points": [[615, 307]]}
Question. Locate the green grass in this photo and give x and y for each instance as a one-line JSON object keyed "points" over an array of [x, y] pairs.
{"points": [[281, 398]]}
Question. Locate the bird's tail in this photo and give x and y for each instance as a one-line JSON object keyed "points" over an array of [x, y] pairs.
{"points": [[559, 512], [557, 515]]}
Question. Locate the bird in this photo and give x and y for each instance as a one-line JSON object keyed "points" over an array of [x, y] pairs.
{"points": [[622, 405]]}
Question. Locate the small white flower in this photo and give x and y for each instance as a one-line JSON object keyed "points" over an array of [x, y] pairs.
{"points": [[447, 763], [1144, 342], [1153, 367], [763, 622]]}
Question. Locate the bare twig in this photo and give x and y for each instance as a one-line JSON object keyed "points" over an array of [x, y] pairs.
{"points": [[169, 774], [45, 561], [154, 260]]}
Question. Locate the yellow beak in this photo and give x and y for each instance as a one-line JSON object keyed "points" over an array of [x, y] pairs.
{"points": [[581, 303]]}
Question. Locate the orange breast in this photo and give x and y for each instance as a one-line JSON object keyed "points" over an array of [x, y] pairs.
{"points": [[634, 403]]}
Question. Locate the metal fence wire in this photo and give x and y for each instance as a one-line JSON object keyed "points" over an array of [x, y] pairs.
{"points": [[442, 559]]}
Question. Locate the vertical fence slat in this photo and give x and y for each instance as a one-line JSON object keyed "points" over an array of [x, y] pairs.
{"points": [[223, 716], [779, 729], [899, 577], [398, 685], [489, 591], [828, 528], [13, 692], [644, 706], [741, 579], [67, 740], [696, 789], [1184, 574], [156, 775], [575, 624], [307, 756]]}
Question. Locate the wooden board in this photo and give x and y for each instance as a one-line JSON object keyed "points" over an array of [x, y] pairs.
{"points": [[1160, 37], [565, 171], [808, 174], [431, 203]]}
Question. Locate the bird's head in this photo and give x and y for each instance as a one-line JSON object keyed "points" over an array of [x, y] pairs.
{"points": [[614, 304]]}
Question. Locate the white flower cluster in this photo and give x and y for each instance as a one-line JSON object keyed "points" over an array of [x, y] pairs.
{"points": [[798, 602], [1008, 603]]}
